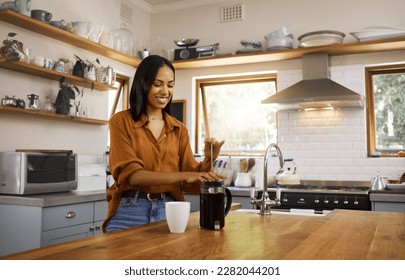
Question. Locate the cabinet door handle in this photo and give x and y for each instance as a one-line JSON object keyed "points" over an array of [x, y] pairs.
{"points": [[70, 215]]}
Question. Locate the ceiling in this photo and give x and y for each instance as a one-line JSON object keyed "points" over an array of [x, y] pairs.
{"points": [[154, 3], [160, 2], [159, 6], [156, 6]]}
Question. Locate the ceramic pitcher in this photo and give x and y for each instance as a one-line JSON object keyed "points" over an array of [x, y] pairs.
{"points": [[83, 28], [96, 32]]}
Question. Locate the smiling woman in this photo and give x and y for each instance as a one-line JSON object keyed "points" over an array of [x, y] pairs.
{"points": [[150, 155]]}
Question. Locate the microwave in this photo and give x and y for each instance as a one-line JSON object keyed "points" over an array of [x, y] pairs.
{"points": [[37, 172]]}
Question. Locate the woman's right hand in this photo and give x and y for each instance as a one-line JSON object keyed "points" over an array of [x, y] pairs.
{"points": [[192, 177]]}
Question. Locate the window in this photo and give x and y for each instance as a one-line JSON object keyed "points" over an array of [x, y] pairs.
{"points": [[385, 89], [230, 109]]}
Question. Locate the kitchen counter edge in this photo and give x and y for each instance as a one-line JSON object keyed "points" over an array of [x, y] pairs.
{"points": [[53, 199]]}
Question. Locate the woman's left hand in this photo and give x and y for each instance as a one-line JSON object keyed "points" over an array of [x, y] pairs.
{"points": [[216, 147]]}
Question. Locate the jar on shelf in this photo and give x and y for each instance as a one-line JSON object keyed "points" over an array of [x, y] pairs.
{"points": [[123, 40]]}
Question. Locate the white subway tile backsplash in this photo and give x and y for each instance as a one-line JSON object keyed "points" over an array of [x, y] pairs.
{"points": [[318, 122], [330, 145]]}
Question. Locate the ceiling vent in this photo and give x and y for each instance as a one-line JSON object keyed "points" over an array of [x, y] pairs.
{"points": [[232, 13], [126, 13]]}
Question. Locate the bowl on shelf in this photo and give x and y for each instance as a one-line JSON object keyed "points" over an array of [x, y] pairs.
{"points": [[377, 33], [279, 39], [321, 38], [188, 42]]}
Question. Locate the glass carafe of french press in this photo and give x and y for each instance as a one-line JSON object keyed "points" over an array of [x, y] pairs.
{"points": [[213, 208]]}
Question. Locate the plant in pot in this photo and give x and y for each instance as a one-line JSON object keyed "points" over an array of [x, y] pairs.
{"points": [[12, 49], [65, 94]]}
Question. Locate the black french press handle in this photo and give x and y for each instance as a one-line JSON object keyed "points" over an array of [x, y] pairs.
{"points": [[228, 201]]}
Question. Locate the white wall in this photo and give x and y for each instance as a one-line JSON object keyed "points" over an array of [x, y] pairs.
{"points": [[265, 16], [314, 156], [325, 146], [24, 132]]}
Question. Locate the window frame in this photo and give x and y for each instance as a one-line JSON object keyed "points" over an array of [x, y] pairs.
{"points": [[226, 80], [370, 111]]}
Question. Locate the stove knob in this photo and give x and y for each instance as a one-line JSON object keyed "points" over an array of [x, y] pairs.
{"points": [[345, 202], [356, 203], [336, 202], [326, 201], [316, 201], [285, 200]]}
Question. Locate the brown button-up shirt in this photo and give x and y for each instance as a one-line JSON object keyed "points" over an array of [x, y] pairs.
{"points": [[133, 147]]}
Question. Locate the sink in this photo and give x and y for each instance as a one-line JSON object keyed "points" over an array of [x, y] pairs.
{"points": [[291, 212]]}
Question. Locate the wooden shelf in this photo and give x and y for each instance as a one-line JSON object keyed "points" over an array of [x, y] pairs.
{"points": [[64, 36], [42, 72], [23, 21], [392, 44], [45, 115]]}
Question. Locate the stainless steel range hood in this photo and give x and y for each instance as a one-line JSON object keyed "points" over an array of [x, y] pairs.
{"points": [[316, 90]]}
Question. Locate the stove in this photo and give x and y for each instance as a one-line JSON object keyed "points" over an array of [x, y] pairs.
{"points": [[323, 195]]}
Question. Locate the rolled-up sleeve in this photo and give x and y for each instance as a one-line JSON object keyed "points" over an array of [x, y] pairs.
{"points": [[123, 157]]}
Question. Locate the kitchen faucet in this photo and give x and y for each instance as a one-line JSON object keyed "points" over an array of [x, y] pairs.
{"points": [[265, 202]]}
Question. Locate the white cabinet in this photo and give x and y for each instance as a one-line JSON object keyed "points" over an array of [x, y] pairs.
{"points": [[27, 227]]}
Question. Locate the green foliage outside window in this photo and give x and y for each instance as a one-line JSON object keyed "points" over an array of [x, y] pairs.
{"points": [[389, 109]]}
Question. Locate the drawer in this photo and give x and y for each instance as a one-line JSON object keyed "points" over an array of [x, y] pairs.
{"points": [[100, 210], [67, 215], [60, 235]]}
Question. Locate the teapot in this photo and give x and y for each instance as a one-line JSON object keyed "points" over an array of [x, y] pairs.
{"points": [[378, 183], [95, 34], [82, 28], [289, 176]]}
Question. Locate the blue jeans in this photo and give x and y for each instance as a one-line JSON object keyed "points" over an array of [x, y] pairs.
{"points": [[133, 212]]}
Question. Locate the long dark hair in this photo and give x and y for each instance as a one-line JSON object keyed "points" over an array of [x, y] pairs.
{"points": [[144, 77]]}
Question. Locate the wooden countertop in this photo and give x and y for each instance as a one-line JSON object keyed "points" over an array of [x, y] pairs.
{"points": [[342, 234]]}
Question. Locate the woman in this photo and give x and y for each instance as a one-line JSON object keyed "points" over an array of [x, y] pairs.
{"points": [[150, 154]]}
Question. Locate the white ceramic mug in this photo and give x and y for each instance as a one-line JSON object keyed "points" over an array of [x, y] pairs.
{"points": [[177, 215]]}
